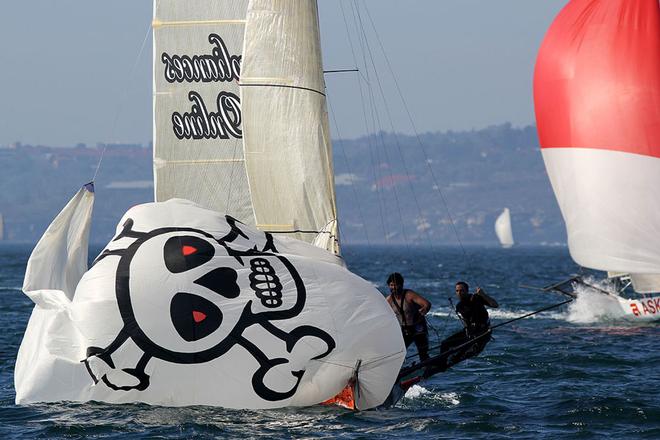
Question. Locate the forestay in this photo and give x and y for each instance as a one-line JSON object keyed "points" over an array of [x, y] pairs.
{"points": [[597, 98]]}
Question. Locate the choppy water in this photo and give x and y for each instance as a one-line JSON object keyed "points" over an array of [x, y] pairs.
{"points": [[575, 372]]}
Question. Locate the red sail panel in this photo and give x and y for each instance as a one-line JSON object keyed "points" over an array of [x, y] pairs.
{"points": [[597, 77]]}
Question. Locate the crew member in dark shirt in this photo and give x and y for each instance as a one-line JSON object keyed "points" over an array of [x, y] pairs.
{"points": [[471, 308]]}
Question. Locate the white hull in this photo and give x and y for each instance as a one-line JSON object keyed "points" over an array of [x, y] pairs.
{"points": [[643, 309]]}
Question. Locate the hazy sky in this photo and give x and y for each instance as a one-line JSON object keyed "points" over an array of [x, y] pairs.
{"points": [[66, 66]]}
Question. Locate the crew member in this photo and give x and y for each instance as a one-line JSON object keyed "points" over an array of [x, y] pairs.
{"points": [[410, 309], [471, 308]]}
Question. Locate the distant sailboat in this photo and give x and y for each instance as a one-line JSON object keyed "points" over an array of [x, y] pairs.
{"points": [[597, 99], [229, 290], [503, 229]]}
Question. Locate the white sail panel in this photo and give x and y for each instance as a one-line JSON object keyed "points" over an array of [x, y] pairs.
{"points": [[610, 207], [503, 229], [646, 283], [287, 139], [198, 146], [54, 269], [186, 306]]}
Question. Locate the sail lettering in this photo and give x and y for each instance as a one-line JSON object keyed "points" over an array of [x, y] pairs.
{"points": [[199, 123], [219, 66]]}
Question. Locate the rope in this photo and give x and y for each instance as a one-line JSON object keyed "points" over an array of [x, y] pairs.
{"points": [[361, 77], [122, 101], [350, 171], [376, 119], [472, 340]]}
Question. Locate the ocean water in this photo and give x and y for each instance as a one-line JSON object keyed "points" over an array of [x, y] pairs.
{"points": [[576, 372]]}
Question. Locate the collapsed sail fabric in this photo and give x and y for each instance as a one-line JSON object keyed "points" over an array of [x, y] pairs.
{"points": [[186, 306], [597, 100], [503, 229], [198, 133], [285, 123]]}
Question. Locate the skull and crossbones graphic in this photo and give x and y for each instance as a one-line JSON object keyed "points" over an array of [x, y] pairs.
{"points": [[234, 288]]}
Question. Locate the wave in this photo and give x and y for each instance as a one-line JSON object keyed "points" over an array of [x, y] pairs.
{"points": [[418, 391], [592, 306], [500, 314]]}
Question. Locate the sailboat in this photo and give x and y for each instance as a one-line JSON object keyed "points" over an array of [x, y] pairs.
{"points": [[229, 289], [503, 229], [597, 100]]}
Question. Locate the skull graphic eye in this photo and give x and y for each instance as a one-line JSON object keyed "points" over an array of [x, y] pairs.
{"points": [[194, 317], [222, 281], [186, 252]]}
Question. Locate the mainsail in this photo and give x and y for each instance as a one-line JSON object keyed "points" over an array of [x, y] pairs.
{"points": [[597, 100], [190, 304], [503, 229], [267, 162], [198, 137], [286, 134]]}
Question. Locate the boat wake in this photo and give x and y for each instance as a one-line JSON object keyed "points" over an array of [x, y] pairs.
{"points": [[591, 306], [495, 314], [418, 391]]}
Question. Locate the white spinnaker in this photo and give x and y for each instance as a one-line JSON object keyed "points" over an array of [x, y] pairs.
{"points": [[503, 228], [609, 203], [210, 170], [51, 344], [287, 138], [126, 322]]}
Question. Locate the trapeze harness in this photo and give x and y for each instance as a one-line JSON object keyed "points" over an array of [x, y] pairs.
{"points": [[411, 321]]}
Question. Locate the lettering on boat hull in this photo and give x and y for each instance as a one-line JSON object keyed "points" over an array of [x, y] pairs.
{"points": [[645, 307]]}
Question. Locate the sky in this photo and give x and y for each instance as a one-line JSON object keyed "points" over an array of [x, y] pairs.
{"points": [[73, 71]]}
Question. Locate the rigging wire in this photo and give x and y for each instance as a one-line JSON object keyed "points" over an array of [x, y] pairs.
{"points": [[343, 150], [366, 50], [361, 77], [419, 140], [397, 143], [122, 99], [488, 331], [365, 47]]}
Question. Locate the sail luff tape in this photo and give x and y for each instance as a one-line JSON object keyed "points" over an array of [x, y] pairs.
{"points": [[157, 23], [265, 80], [195, 162], [274, 226]]}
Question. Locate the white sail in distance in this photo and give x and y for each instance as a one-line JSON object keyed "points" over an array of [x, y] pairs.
{"points": [[503, 229]]}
